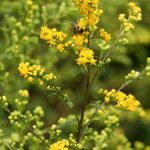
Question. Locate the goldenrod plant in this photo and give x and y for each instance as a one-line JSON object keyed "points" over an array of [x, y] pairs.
{"points": [[41, 40]]}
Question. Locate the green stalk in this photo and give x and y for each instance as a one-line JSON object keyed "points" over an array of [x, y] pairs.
{"points": [[80, 125]]}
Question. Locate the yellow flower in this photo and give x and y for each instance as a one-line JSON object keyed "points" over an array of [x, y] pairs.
{"points": [[105, 35], [88, 8], [49, 76], [82, 23], [128, 26], [121, 100], [23, 68], [121, 17], [135, 12], [86, 56], [60, 145], [68, 43], [45, 33], [52, 36], [24, 93], [30, 79], [41, 82], [60, 47], [135, 15], [35, 71], [78, 39], [107, 99]]}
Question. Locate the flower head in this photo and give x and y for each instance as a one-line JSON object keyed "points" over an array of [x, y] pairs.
{"points": [[24, 93], [86, 56], [23, 68]]}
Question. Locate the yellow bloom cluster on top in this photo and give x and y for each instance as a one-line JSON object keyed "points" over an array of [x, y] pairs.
{"points": [[24, 93], [86, 56], [60, 145], [134, 16], [30, 71], [121, 100], [91, 12], [86, 6], [91, 15], [106, 36], [54, 38]]}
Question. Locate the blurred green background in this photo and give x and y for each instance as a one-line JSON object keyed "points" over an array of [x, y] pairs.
{"points": [[20, 24]]}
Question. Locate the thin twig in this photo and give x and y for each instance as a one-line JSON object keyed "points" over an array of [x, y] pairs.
{"points": [[36, 135], [107, 54], [120, 34], [130, 81]]}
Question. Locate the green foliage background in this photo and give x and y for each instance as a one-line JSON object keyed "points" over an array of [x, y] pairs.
{"points": [[19, 41]]}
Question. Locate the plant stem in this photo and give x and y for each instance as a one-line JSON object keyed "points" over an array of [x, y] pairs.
{"points": [[120, 34], [86, 101], [80, 125]]}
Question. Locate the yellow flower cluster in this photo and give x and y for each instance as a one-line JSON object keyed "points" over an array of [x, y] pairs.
{"points": [[54, 37], [30, 71], [134, 16], [127, 25], [80, 39], [24, 93], [91, 16], [88, 8], [121, 100], [60, 145], [106, 36], [134, 12], [82, 23], [86, 56]]}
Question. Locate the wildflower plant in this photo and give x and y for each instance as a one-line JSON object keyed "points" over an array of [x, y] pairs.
{"points": [[91, 45]]}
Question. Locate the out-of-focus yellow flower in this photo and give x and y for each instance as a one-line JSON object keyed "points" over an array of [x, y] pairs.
{"points": [[60, 47], [135, 15], [106, 36], [135, 12], [24, 93]]}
